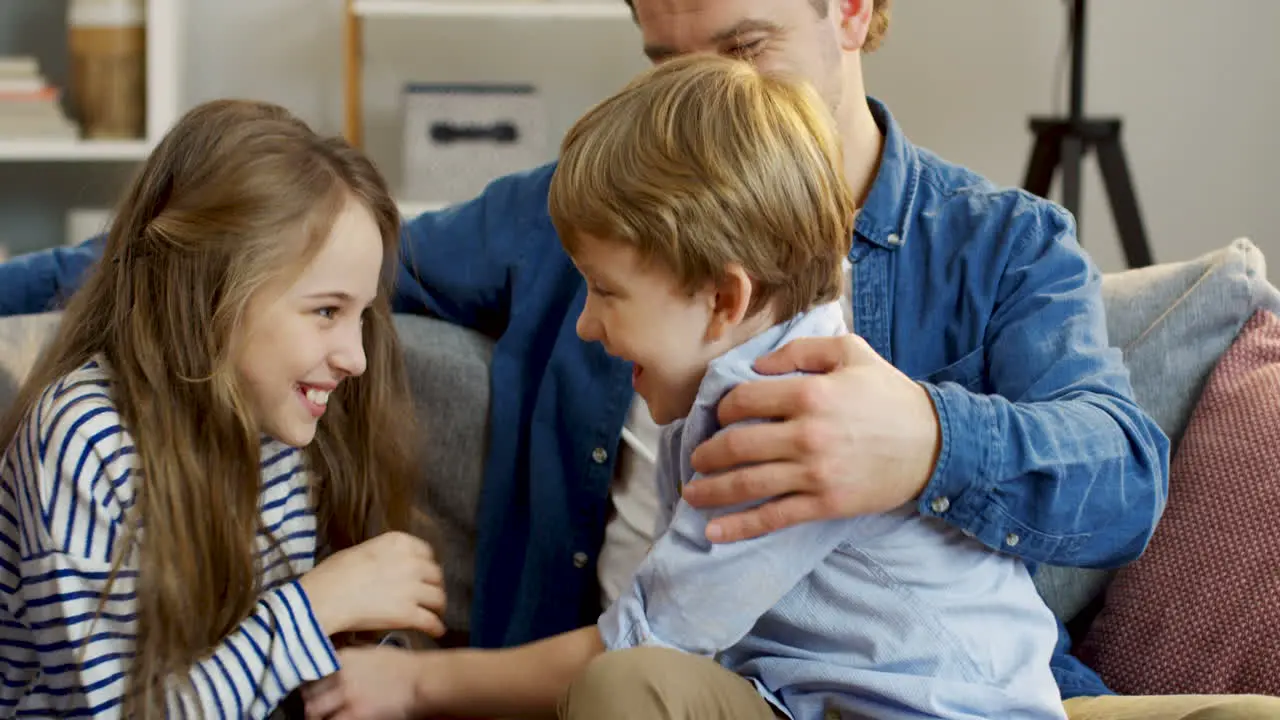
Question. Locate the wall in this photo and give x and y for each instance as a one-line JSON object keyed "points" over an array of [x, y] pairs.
{"points": [[1198, 92], [1198, 89]]}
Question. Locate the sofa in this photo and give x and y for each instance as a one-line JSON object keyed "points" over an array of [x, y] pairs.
{"points": [[1173, 322]]}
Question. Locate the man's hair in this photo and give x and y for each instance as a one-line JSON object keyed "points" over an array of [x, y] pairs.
{"points": [[880, 13], [702, 162]]}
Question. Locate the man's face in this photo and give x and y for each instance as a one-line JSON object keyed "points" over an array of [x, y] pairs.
{"points": [[787, 36]]}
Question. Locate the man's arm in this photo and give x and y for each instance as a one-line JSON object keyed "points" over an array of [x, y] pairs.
{"points": [[1059, 465], [43, 280], [457, 263]]}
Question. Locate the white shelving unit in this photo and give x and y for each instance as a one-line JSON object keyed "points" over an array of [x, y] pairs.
{"points": [[358, 11], [164, 68]]}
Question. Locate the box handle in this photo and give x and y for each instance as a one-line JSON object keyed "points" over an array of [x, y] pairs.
{"points": [[501, 132]]}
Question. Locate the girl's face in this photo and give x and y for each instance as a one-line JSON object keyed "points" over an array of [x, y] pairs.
{"points": [[300, 341]]}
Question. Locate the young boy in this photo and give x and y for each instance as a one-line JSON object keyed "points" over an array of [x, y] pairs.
{"points": [[706, 208]]}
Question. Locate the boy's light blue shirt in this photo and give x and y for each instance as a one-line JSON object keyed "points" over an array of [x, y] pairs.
{"points": [[891, 616]]}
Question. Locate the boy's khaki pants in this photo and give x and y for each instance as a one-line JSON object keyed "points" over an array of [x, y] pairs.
{"points": [[660, 684]]}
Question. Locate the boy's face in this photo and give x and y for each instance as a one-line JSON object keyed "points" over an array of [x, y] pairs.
{"points": [[639, 313]]}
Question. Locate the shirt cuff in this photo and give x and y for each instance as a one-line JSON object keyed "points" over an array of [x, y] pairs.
{"points": [[314, 643], [959, 491]]}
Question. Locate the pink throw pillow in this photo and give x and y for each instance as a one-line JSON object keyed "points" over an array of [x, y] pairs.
{"points": [[1199, 611]]}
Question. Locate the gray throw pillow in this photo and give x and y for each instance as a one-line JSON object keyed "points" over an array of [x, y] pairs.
{"points": [[1172, 321]]}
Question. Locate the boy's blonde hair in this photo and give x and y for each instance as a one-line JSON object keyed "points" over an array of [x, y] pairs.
{"points": [[703, 162]]}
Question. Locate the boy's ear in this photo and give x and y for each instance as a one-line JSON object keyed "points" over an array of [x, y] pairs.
{"points": [[730, 301]]}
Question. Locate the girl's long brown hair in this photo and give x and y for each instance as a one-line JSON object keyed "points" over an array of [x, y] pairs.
{"points": [[235, 195]]}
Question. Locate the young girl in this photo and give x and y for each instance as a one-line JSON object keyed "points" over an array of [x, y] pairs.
{"points": [[224, 401]]}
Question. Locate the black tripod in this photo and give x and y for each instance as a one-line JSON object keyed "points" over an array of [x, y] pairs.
{"points": [[1065, 141]]}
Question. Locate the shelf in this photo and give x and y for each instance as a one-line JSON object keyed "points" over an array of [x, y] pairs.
{"points": [[530, 9], [55, 150], [164, 67], [411, 209]]}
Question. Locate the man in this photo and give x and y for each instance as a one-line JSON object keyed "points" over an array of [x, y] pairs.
{"points": [[973, 298]]}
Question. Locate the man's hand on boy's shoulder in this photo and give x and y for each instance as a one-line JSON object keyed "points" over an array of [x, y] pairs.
{"points": [[827, 457]]}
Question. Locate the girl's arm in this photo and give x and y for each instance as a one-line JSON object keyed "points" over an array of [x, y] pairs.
{"points": [[82, 659], [64, 485]]}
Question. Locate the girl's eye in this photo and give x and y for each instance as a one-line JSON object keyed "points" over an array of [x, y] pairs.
{"points": [[327, 312]]}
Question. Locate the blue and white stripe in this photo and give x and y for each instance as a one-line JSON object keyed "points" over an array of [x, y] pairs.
{"points": [[65, 486]]}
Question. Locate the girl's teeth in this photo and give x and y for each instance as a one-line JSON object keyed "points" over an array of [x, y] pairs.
{"points": [[319, 397]]}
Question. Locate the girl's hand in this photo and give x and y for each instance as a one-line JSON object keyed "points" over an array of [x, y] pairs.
{"points": [[390, 582], [375, 683]]}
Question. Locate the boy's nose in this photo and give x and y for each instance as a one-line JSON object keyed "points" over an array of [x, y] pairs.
{"points": [[588, 327]]}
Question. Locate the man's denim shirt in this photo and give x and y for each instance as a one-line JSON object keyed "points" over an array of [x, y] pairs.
{"points": [[980, 293], [894, 615]]}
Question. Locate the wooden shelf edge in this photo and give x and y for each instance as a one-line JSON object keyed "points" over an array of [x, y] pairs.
{"points": [[59, 150], [529, 9]]}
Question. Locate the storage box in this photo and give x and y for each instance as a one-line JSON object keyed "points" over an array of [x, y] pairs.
{"points": [[459, 137]]}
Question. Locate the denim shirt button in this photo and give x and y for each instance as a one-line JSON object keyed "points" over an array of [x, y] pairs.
{"points": [[940, 505], [1011, 539], [599, 455], [894, 239], [580, 560]]}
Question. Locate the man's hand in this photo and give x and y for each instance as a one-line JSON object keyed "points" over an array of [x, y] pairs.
{"points": [[859, 438]]}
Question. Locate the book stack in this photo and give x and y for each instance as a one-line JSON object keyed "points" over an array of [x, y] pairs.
{"points": [[29, 105]]}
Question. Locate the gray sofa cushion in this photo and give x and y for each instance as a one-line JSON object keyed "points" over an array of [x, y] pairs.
{"points": [[21, 339], [1172, 321], [449, 375]]}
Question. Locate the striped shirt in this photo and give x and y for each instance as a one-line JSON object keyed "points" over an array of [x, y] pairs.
{"points": [[65, 484]]}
